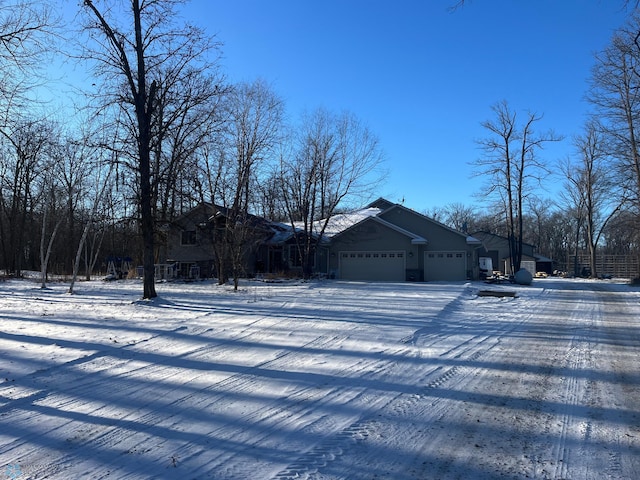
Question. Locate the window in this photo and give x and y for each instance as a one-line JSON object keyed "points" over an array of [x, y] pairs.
{"points": [[188, 237]]}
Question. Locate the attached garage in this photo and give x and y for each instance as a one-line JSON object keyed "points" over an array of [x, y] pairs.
{"points": [[445, 266], [386, 266]]}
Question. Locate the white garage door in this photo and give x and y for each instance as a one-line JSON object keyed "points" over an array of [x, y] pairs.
{"points": [[373, 266], [445, 266]]}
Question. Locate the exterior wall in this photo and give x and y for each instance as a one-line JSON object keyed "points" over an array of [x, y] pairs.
{"points": [[497, 247], [202, 252], [202, 249], [381, 241], [371, 235], [439, 237], [199, 254]]}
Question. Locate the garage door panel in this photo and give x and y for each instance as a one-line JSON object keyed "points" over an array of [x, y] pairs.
{"points": [[445, 266], [373, 265]]}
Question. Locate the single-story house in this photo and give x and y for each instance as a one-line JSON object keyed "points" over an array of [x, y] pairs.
{"points": [[388, 241], [384, 241]]}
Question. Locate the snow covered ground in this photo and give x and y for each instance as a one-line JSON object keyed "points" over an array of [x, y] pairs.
{"points": [[320, 380]]}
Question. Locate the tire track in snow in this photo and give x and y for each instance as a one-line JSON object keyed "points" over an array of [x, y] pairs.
{"points": [[307, 402], [468, 350], [575, 392], [571, 410], [108, 436], [400, 405], [240, 382], [465, 358], [83, 375]]}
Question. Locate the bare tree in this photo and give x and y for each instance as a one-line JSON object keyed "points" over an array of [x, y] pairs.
{"points": [[510, 165], [336, 161], [102, 180], [254, 116], [52, 206], [590, 184], [460, 217], [188, 113], [25, 27], [132, 53], [25, 146], [615, 83]]}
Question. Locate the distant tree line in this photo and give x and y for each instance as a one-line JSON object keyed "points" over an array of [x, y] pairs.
{"points": [[161, 130], [597, 211]]}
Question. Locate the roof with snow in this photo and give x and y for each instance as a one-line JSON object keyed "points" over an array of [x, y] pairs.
{"points": [[342, 221]]}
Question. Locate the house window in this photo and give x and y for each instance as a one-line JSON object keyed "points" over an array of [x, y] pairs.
{"points": [[188, 237]]}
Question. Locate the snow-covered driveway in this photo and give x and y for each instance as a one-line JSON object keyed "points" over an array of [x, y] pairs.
{"points": [[320, 380]]}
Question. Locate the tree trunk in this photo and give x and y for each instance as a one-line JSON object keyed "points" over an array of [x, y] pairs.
{"points": [[44, 256], [144, 110], [76, 263], [147, 225]]}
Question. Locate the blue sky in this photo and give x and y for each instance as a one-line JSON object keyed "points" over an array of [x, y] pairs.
{"points": [[422, 78]]}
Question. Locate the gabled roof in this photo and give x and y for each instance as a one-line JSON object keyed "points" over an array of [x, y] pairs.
{"points": [[381, 203], [341, 223], [251, 220], [482, 234], [542, 258], [284, 233], [207, 213], [470, 239], [415, 239], [200, 213]]}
